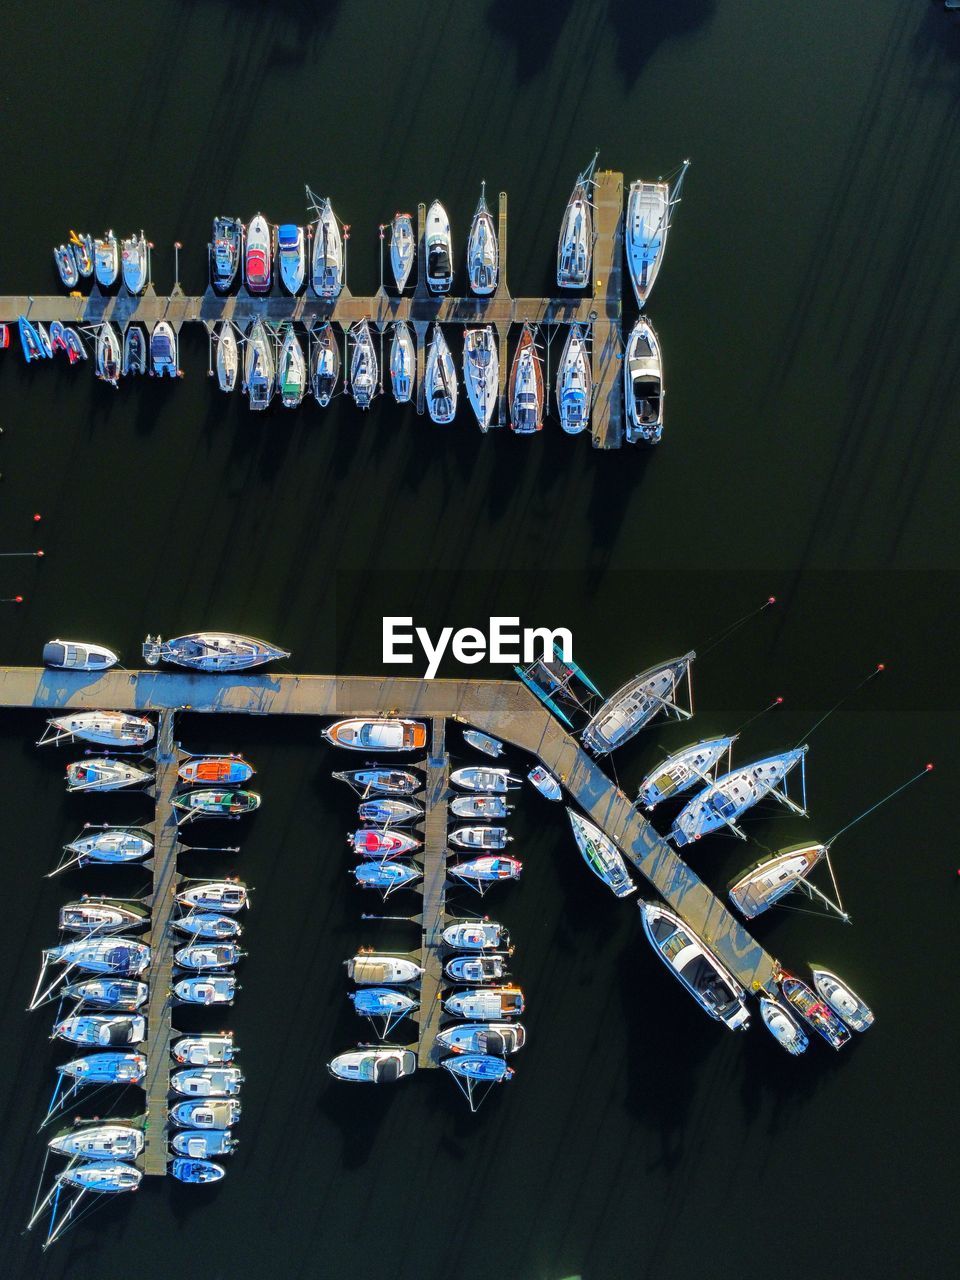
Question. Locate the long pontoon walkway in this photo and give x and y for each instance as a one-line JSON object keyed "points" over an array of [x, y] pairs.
{"points": [[434, 919]]}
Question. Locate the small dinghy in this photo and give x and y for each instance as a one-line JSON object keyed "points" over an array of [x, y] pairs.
{"points": [[134, 351], [259, 367], [646, 226], [106, 258], [486, 1004], [377, 734], [292, 256], [258, 256], [109, 354], [845, 1003], [722, 803], [403, 363], [200, 1144], [498, 1038], [218, 1113], [58, 341], [207, 989], [204, 1051], [815, 1011], [526, 386], [483, 742], [783, 1026], [479, 873], [215, 804], [186, 1169], [371, 842], [601, 855], [381, 781], [364, 367], [481, 373], [209, 925], [480, 778], [219, 770], [385, 1008], [483, 251], [225, 251], [291, 370], [694, 965], [102, 1030], [476, 935], [66, 262], [78, 655], [683, 770], [75, 348], [324, 363], [135, 258], [102, 915], [771, 879], [403, 245], [110, 844], [83, 253], [643, 384], [100, 773], [205, 956], [574, 384], [212, 651], [106, 1068], [373, 1066], [480, 807], [32, 342], [480, 837], [440, 380], [389, 812], [207, 1082], [439, 247], [228, 356], [636, 703], [106, 728], [164, 351], [228, 896], [476, 970], [575, 246], [117, 1141], [545, 782], [386, 877], [370, 970], [122, 994], [327, 266]]}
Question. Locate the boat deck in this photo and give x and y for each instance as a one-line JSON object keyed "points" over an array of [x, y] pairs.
{"points": [[433, 919]]}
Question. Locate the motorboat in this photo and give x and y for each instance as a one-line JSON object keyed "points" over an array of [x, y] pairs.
{"points": [[480, 837], [134, 350], [483, 250], [484, 1068], [228, 356], [206, 956], [403, 363], [215, 1113], [769, 880], [207, 989], [214, 803], [259, 366], [783, 1026], [101, 773], [389, 812], [258, 256], [440, 380], [110, 845], [207, 924], [477, 970], [693, 964], [381, 781], [204, 1051], [75, 348], [291, 255], [125, 994], [364, 366], [200, 1144], [386, 877], [115, 1141], [649, 206], [102, 955], [106, 260], [32, 342], [498, 1038], [477, 806], [483, 742], [220, 770], [683, 770], [373, 1065], [109, 354], [525, 389], [371, 842], [483, 778], [327, 266], [481, 373], [575, 245], [382, 1002], [83, 253], [135, 261], [371, 970], [102, 1177], [643, 384], [403, 243], [207, 1082], [212, 651], [291, 370], [78, 655], [634, 705], [324, 363], [66, 264], [186, 1169], [476, 935], [225, 251], [725, 800], [545, 783], [102, 1030], [574, 383], [815, 1011], [439, 247], [478, 872], [106, 728], [164, 351], [228, 896], [105, 1068], [102, 915], [381, 733], [485, 1004], [845, 1003], [601, 855]]}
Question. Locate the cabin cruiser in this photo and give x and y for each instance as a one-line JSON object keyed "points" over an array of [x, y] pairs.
{"points": [[482, 778], [324, 364], [373, 1065], [385, 876], [371, 842], [545, 783], [164, 354], [526, 386], [646, 227], [370, 970], [83, 252], [481, 373], [483, 742], [207, 924], [440, 380], [485, 1004], [389, 812], [381, 781], [102, 915], [498, 1038], [34, 347], [216, 804], [601, 855], [291, 256], [204, 1051], [364, 367], [105, 1068], [402, 248], [109, 354], [78, 655], [135, 262], [377, 734], [228, 356], [292, 370], [692, 962], [207, 1082], [488, 870], [575, 245], [222, 770], [212, 651], [125, 994], [723, 802], [643, 384], [207, 989], [768, 881], [102, 1177], [111, 844], [477, 970], [327, 269], [66, 262], [439, 246], [115, 1141], [134, 350], [783, 1026], [483, 251], [403, 363], [476, 806], [815, 1011], [476, 935], [101, 955], [574, 384], [106, 260], [102, 1030], [101, 773], [200, 1144], [215, 1113], [186, 1169], [259, 366], [225, 249], [228, 896], [108, 728], [634, 705], [683, 770], [259, 255], [855, 1012], [202, 956], [480, 837]]}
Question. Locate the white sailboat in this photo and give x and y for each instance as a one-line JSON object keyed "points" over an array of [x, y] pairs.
{"points": [[403, 363], [324, 363], [327, 262], [364, 367], [481, 373], [440, 380], [483, 250], [649, 208], [723, 802], [228, 356], [634, 705], [402, 248], [575, 246], [574, 383]]}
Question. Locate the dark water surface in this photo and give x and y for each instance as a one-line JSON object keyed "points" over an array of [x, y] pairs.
{"points": [[809, 313]]}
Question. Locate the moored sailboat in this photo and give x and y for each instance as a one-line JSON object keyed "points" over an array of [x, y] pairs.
{"points": [[725, 800], [228, 356], [292, 369], [481, 373], [483, 250], [649, 206], [574, 383], [259, 366], [403, 362], [769, 880], [327, 263], [102, 773], [440, 380], [324, 363], [601, 855], [525, 389], [212, 651], [364, 366], [575, 246], [683, 769], [108, 728], [225, 251], [402, 248], [636, 703]]}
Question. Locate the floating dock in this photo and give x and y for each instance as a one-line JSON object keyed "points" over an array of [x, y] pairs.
{"points": [[433, 920]]}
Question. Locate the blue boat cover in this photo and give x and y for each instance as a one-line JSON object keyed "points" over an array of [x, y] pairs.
{"points": [[287, 235]]}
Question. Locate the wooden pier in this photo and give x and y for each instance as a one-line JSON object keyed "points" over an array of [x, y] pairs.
{"points": [[433, 919]]}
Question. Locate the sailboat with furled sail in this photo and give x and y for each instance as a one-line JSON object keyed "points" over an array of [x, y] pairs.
{"points": [[574, 383], [327, 266], [324, 364], [634, 705], [403, 363], [364, 367], [481, 373], [575, 246], [723, 802], [483, 251], [440, 380], [526, 385], [649, 209]]}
